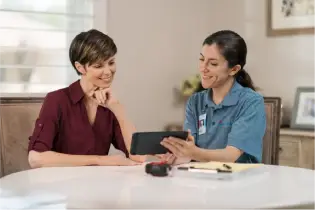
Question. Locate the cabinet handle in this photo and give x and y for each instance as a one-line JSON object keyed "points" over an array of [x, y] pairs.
{"points": [[280, 149]]}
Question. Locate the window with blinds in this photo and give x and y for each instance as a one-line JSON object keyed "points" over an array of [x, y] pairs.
{"points": [[34, 40]]}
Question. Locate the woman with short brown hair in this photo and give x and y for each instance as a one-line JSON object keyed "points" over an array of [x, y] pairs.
{"points": [[77, 124]]}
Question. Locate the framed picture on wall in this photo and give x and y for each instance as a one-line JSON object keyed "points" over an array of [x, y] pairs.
{"points": [[290, 17], [303, 112]]}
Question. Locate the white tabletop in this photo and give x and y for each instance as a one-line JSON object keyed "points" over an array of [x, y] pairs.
{"points": [[129, 187]]}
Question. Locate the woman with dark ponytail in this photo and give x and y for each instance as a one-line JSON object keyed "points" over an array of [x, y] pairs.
{"points": [[244, 79], [227, 120]]}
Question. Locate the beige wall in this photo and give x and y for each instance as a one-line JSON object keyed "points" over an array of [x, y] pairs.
{"points": [[159, 43], [278, 64]]}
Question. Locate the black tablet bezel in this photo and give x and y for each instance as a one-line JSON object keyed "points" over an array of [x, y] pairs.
{"points": [[148, 143]]}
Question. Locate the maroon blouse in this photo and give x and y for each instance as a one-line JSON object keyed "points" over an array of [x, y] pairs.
{"points": [[63, 126]]}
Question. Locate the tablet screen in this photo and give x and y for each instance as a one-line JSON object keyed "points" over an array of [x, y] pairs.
{"points": [[148, 143]]}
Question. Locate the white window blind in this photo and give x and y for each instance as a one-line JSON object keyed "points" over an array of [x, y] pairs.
{"points": [[34, 40]]}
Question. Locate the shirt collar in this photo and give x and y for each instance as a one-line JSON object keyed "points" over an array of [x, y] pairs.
{"points": [[229, 100], [76, 92]]}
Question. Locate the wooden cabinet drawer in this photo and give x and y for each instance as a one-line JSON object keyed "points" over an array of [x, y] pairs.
{"points": [[297, 148], [289, 151]]}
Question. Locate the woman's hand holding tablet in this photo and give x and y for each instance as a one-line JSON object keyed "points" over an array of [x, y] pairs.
{"points": [[149, 143]]}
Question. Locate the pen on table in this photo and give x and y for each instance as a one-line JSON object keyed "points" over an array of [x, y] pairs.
{"points": [[204, 170], [227, 166]]}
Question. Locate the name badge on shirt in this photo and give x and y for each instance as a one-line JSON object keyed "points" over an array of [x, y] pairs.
{"points": [[202, 124]]}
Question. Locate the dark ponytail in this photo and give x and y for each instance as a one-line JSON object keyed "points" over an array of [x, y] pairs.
{"points": [[244, 79], [233, 48]]}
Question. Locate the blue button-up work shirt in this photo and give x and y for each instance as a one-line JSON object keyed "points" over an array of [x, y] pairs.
{"points": [[239, 121]]}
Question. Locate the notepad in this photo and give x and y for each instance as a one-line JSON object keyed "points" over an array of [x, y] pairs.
{"points": [[234, 167]]}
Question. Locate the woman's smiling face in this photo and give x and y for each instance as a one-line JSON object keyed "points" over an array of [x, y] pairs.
{"points": [[213, 67], [100, 74]]}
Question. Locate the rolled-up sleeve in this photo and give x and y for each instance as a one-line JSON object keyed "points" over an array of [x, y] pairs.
{"points": [[46, 125], [118, 140], [248, 130], [190, 117]]}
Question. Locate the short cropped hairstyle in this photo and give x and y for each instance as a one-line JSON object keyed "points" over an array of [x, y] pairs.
{"points": [[91, 47]]}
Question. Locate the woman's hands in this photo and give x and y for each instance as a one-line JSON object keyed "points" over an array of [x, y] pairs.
{"points": [[116, 160], [104, 97], [171, 159], [185, 150], [181, 149], [138, 158]]}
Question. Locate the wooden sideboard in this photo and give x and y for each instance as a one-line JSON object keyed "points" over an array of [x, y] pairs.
{"points": [[296, 148]]}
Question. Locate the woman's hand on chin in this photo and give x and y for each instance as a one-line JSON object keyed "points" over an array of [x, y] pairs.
{"points": [[104, 97]]}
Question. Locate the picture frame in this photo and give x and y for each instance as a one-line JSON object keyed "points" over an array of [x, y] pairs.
{"points": [[290, 17], [303, 112]]}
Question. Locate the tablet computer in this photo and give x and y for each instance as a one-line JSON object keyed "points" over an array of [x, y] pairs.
{"points": [[148, 143]]}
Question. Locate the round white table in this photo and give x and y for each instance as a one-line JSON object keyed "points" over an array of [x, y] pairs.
{"points": [[129, 187]]}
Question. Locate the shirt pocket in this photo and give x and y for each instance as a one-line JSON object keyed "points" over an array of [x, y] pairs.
{"points": [[225, 129]]}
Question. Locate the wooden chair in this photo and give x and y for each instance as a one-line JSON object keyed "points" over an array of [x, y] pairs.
{"points": [[17, 117], [271, 138]]}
